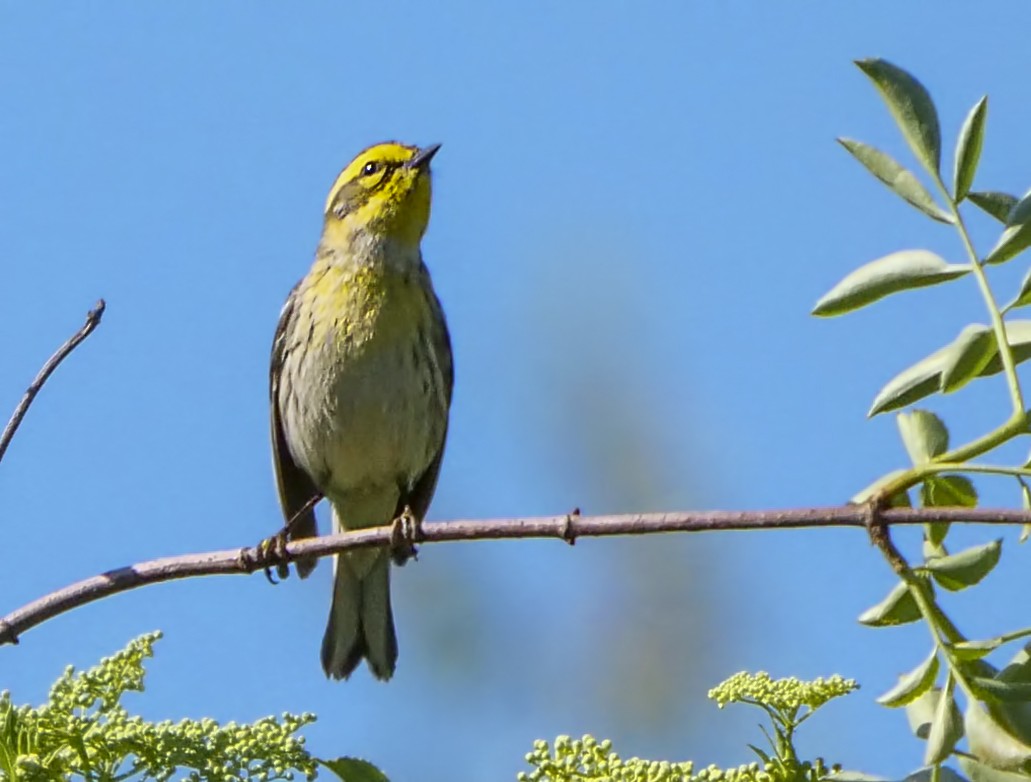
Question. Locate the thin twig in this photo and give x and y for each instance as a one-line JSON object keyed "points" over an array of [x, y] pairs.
{"points": [[247, 560], [92, 321], [880, 536]]}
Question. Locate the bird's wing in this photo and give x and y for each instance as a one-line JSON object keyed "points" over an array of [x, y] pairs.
{"points": [[296, 488], [418, 499]]}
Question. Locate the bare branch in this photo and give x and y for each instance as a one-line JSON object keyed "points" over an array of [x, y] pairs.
{"points": [[92, 321], [567, 528]]}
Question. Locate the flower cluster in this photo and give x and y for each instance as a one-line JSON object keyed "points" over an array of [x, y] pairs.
{"points": [[590, 760], [84, 731], [785, 695]]}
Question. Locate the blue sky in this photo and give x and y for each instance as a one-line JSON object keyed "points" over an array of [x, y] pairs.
{"points": [[635, 208]]}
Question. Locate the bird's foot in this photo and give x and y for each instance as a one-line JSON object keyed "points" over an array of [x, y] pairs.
{"points": [[268, 554], [405, 532], [271, 552]]}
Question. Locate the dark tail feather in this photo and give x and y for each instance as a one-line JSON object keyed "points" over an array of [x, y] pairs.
{"points": [[361, 624]]}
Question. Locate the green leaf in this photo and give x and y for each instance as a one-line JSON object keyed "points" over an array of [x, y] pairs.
{"points": [[946, 727], [1014, 717], [1001, 691], [899, 271], [913, 684], [930, 548], [1018, 334], [968, 149], [912, 384], [959, 571], [945, 774], [924, 377], [991, 743], [998, 205], [912, 107], [1023, 297], [979, 772], [944, 491], [934, 536], [970, 354], [1019, 668], [920, 713], [948, 491], [899, 179], [898, 608], [1016, 237], [759, 752], [974, 650], [923, 434], [354, 770]]}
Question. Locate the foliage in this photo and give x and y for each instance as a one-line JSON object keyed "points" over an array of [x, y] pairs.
{"points": [[963, 707], [788, 703], [996, 718], [84, 732]]}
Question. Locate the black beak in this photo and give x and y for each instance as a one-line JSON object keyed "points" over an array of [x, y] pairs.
{"points": [[423, 156]]}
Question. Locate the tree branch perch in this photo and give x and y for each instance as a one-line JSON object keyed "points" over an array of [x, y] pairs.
{"points": [[567, 528], [92, 321]]}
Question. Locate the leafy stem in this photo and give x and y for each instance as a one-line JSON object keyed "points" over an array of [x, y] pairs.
{"points": [[990, 469], [1017, 424], [943, 632], [1005, 638], [956, 460], [1009, 365], [997, 722]]}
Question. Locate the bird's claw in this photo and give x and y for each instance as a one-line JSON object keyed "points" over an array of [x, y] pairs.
{"points": [[405, 532], [271, 553]]}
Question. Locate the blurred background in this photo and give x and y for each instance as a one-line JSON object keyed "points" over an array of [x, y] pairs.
{"points": [[635, 209]]}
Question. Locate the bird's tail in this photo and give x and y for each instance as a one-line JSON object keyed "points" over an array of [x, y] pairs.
{"points": [[361, 624]]}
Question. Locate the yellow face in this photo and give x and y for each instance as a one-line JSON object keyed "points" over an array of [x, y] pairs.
{"points": [[385, 189]]}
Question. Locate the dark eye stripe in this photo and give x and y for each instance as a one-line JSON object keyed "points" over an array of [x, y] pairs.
{"points": [[357, 192]]}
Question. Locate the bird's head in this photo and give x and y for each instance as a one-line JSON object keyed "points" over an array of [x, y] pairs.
{"points": [[384, 190]]}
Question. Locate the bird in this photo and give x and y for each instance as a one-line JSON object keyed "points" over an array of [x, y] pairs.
{"points": [[360, 389]]}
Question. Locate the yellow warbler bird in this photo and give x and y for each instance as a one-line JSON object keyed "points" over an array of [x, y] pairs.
{"points": [[360, 388]]}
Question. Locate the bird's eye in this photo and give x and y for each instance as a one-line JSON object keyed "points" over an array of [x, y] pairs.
{"points": [[370, 168]]}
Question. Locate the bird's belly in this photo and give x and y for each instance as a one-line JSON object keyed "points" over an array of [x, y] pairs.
{"points": [[376, 417]]}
